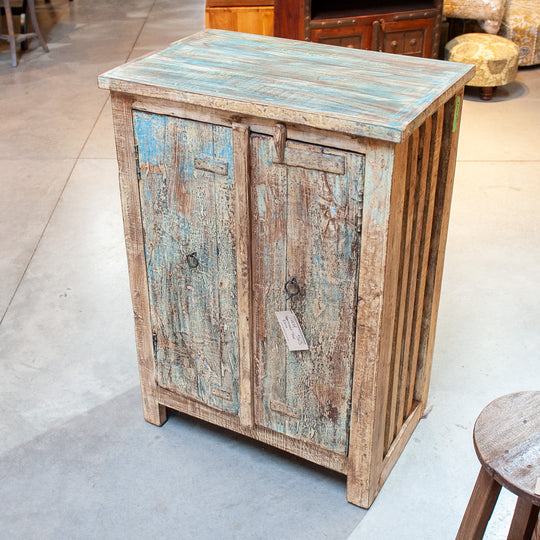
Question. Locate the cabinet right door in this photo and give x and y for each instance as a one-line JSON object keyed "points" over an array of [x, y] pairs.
{"points": [[306, 221]]}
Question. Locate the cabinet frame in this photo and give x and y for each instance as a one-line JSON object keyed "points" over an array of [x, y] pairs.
{"points": [[372, 453]]}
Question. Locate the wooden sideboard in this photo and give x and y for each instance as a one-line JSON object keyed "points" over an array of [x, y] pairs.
{"points": [[403, 27], [262, 176]]}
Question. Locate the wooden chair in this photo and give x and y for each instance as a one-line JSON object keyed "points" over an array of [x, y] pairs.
{"points": [[10, 36], [507, 443]]}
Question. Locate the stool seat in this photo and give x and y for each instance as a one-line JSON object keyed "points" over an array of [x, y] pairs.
{"points": [[495, 58], [507, 442]]}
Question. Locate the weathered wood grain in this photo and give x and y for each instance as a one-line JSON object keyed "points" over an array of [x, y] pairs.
{"points": [[507, 442], [328, 168], [243, 272], [400, 337], [154, 412], [432, 163], [384, 189], [305, 225], [352, 91], [193, 306], [439, 232]]}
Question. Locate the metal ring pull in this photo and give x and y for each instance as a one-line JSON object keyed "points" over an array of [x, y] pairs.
{"points": [[192, 260], [292, 288]]}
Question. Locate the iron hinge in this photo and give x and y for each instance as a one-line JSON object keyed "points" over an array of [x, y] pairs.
{"points": [[358, 224], [137, 167], [154, 344]]}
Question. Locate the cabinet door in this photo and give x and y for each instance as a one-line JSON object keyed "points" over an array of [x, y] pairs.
{"points": [[412, 38], [186, 193], [354, 36], [306, 216]]}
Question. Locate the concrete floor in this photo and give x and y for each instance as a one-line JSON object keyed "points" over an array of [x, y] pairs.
{"points": [[76, 458]]}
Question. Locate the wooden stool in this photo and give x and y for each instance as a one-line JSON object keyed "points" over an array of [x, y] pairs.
{"points": [[507, 443], [495, 58], [11, 32]]}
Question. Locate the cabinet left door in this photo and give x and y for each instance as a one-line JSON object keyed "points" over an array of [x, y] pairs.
{"points": [[186, 188]]}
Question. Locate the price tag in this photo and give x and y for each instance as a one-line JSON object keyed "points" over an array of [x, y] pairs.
{"points": [[292, 332]]}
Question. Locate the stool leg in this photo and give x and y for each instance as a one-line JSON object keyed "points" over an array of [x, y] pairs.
{"points": [[33, 18], [11, 33], [536, 535], [524, 520], [486, 93], [483, 498]]}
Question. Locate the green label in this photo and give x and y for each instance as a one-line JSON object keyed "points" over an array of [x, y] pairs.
{"points": [[456, 114]]}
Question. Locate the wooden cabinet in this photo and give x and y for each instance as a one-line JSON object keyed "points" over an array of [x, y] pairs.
{"points": [[251, 16], [402, 27], [262, 176]]}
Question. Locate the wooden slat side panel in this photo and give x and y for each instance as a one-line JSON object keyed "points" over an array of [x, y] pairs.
{"points": [[419, 178], [441, 217], [432, 164], [402, 284], [133, 231], [186, 171], [322, 213], [384, 189]]}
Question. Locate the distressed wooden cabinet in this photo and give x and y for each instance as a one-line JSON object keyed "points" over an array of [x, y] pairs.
{"points": [[401, 27], [261, 175]]}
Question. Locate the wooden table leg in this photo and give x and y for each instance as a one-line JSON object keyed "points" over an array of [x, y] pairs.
{"points": [[37, 31], [480, 507], [524, 520], [11, 32]]}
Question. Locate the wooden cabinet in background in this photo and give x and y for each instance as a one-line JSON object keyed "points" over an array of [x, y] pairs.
{"points": [[258, 176], [251, 16], [402, 27]]}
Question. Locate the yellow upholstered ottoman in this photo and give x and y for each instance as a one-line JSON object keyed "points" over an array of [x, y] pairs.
{"points": [[495, 58]]}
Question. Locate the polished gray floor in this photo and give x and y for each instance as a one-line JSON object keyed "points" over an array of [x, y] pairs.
{"points": [[76, 458]]}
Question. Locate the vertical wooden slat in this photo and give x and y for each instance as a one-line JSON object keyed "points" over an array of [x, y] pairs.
{"points": [[407, 359], [432, 163], [441, 218], [386, 167], [404, 260], [131, 212], [243, 272], [409, 278]]}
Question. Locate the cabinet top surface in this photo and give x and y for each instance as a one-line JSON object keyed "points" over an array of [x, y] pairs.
{"points": [[366, 93]]}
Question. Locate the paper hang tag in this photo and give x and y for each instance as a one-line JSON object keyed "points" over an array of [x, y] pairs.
{"points": [[292, 332]]}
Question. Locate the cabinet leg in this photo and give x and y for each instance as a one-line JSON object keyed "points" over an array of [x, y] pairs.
{"points": [[357, 493], [484, 496], [154, 412]]}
